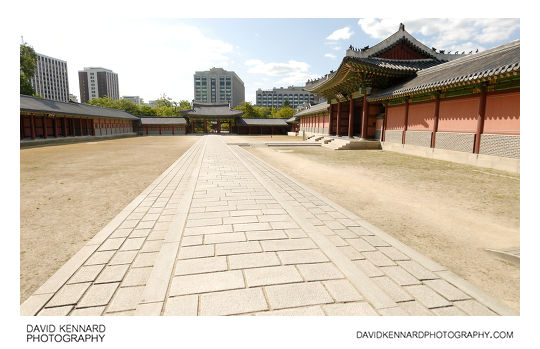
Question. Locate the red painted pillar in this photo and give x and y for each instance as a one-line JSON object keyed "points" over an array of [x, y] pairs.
{"points": [[72, 122], [480, 123], [406, 120], [80, 126], [435, 120], [44, 126], [160, 130], [55, 126], [337, 117], [330, 111], [64, 127], [351, 117], [93, 126], [365, 116], [384, 122], [33, 125]]}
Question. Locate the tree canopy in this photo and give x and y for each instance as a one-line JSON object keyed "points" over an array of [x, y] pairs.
{"points": [[165, 106], [255, 111], [27, 69]]}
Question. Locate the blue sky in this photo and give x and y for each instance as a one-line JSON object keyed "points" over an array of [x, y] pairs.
{"points": [[155, 56]]}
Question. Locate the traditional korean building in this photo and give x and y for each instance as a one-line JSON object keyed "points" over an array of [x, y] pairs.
{"points": [[158, 126], [208, 117], [49, 119], [415, 99], [260, 126]]}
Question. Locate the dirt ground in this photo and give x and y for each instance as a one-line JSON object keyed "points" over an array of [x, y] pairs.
{"points": [[449, 212], [69, 192]]}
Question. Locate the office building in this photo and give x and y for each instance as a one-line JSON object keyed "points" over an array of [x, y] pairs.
{"points": [[135, 99], [275, 97], [51, 78], [218, 86], [95, 82]]}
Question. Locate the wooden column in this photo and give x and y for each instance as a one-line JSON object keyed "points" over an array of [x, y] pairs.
{"points": [[64, 127], [72, 127], [93, 126], [33, 125], [55, 126], [44, 126], [384, 122], [351, 117], [160, 130], [330, 110], [406, 120], [338, 117], [435, 120], [365, 115], [480, 123]]}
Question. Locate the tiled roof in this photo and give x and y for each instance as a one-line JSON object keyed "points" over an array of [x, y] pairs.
{"points": [[162, 120], [40, 105], [471, 69], [212, 109], [317, 108], [396, 38], [292, 120], [260, 122], [397, 64]]}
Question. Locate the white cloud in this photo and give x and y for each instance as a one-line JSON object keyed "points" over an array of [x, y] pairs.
{"points": [[289, 73], [446, 33], [330, 55], [336, 48], [149, 57], [340, 34]]}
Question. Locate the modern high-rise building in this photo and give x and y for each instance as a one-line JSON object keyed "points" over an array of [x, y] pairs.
{"points": [[95, 82], [218, 85], [135, 99], [51, 78], [294, 94]]}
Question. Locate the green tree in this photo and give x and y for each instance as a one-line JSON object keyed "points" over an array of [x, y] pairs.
{"points": [[184, 105], [27, 69], [146, 110], [283, 112], [263, 112], [248, 109], [286, 103]]}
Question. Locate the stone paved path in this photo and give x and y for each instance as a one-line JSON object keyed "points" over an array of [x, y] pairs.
{"points": [[223, 233]]}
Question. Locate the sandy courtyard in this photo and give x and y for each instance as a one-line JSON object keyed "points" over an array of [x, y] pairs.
{"points": [[449, 212], [446, 211], [69, 192]]}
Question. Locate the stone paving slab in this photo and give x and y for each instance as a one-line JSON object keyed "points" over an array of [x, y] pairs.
{"points": [[221, 232]]}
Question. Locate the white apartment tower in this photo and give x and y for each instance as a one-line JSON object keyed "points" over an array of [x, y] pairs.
{"points": [[51, 78], [95, 82]]}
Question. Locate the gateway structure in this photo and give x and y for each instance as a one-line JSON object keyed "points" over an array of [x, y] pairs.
{"points": [[415, 99]]}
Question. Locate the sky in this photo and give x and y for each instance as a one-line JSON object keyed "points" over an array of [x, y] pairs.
{"points": [[159, 56]]}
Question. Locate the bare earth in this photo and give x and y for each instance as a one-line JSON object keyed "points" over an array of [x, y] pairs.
{"points": [[70, 192], [447, 211]]}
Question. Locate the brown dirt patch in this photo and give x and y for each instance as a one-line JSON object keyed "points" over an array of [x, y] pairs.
{"points": [[449, 212], [70, 192]]}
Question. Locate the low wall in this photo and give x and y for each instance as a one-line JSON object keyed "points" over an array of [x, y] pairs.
{"points": [[481, 160], [68, 140]]}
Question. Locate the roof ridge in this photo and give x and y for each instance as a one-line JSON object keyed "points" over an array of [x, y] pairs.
{"points": [[462, 60]]}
